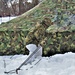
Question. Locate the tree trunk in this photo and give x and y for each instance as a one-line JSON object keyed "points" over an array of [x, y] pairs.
{"points": [[35, 2], [21, 7]]}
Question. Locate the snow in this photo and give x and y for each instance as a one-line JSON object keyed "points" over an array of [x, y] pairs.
{"points": [[29, 1], [6, 19], [59, 64], [32, 48]]}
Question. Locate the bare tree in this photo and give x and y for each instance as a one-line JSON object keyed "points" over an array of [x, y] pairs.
{"points": [[24, 5], [16, 8], [21, 6], [35, 2], [4, 8]]}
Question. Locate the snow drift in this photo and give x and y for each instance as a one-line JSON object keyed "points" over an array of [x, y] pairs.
{"points": [[59, 64]]}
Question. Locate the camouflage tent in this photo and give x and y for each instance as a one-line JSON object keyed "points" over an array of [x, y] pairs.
{"points": [[50, 24]]}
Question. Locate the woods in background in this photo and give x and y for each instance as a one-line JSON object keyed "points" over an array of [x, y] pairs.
{"points": [[16, 7]]}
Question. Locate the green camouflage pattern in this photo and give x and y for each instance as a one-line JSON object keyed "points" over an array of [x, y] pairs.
{"points": [[12, 42], [48, 24], [52, 39]]}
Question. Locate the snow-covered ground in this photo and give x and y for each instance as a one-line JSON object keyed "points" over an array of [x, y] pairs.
{"points": [[6, 19], [59, 64]]}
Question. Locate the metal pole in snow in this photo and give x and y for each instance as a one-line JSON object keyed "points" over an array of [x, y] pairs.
{"points": [[27, 59], [13, 71]]}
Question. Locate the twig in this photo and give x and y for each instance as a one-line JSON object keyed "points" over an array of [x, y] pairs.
{"points": [[4, 64]]}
